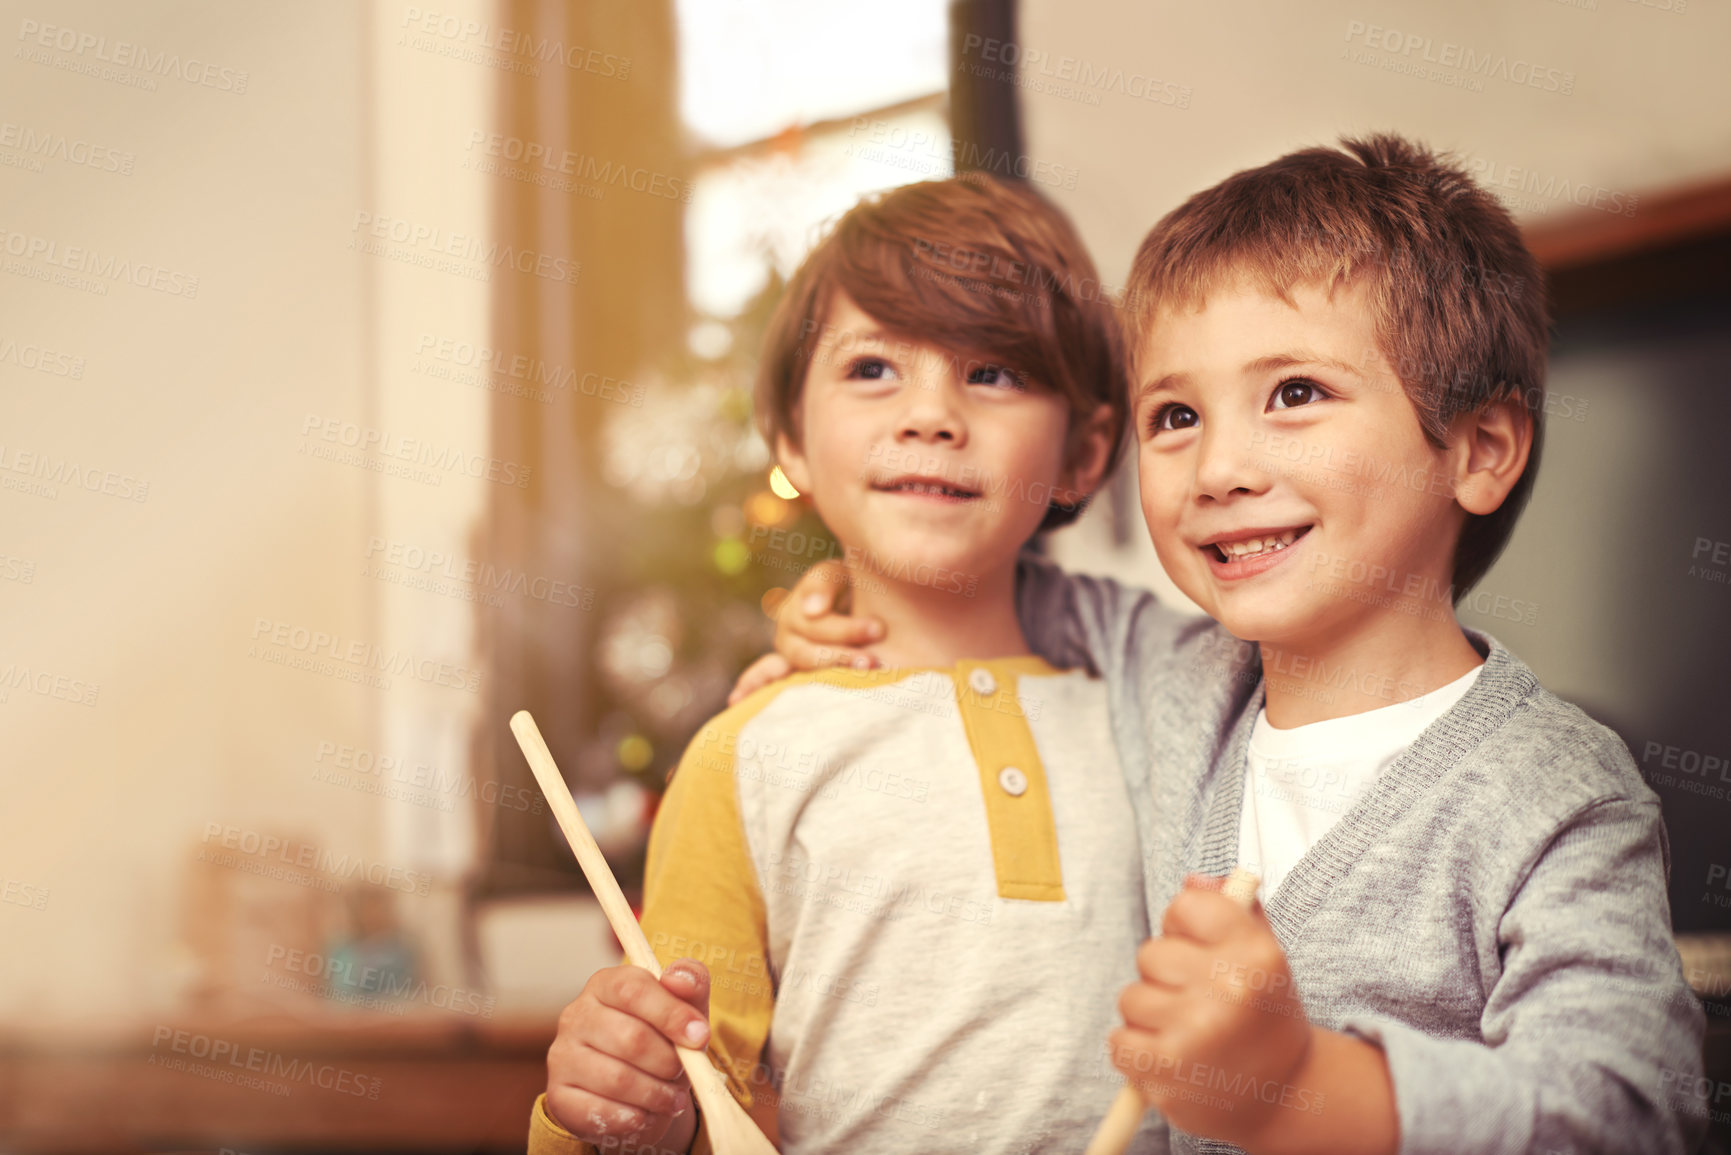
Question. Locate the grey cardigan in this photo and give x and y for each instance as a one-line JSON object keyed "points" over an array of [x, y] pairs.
{"points": [[1492, 912]]}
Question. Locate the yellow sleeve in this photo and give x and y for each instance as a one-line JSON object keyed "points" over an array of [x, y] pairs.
{"points": [[546, 1137], [701, 901]]}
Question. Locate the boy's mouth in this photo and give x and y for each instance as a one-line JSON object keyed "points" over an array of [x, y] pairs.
{"points": [[1243, 546], [928, 487]]}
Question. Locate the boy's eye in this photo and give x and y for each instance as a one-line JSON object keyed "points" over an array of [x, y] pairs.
{"points": [[1172, 417], [1298, 391], [994, 375], [870, 369]]}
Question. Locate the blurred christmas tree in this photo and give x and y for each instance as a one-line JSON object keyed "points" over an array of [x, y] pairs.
{"points": [[691, 529]]}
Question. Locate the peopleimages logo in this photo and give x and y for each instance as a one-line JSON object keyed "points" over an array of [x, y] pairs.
{"points": [[1447, 54], [23, 894], [380, 447], [227, 1061], [345, 980], [532, 371], [46, 683], [49, 472], [27, 355], [46, 144], [31, 249], [430, 242], [582, 166], [250, 850], [1519, 183], [481, 577], [1072, 77], [125, 54], [304, 648], [462, 32]]}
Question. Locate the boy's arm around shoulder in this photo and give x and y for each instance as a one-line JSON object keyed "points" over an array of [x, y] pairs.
{"points": [[702, 900], [1174, 675], [1078, 621], [1591, 1036]]}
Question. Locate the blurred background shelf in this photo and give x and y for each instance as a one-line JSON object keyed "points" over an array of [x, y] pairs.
{"points": [[440, 1087]]}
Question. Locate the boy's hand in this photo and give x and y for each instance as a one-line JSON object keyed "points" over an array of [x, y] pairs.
{"points": [[810, 634], [767, 670], [1214, 1031], [612, 1072]]}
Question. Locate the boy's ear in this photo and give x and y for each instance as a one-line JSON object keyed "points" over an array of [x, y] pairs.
{"points": [[1090, 448], [1491, 446], [793, 463]]}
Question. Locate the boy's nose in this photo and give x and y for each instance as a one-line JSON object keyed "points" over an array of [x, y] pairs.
{"points": [[1227, 464], [931, 415], [922, 428]]}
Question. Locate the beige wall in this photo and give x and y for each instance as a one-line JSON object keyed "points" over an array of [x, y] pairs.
{"points": [[205, 397], [1650, 105], [1240, 82]]}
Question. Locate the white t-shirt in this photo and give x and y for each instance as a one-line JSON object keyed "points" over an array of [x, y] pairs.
{"points": [[1298, 782]]}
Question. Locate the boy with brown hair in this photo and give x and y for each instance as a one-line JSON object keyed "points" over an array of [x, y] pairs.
{"points": [[1338, 387], [882, 885]]}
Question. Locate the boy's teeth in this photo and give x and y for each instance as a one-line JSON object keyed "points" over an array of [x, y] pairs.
{"points": [[927, 487], [1251, 546]]}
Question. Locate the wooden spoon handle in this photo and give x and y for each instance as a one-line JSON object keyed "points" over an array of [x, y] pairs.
{"points": [[589, 855], [1125, 1116], [731, 1131]]}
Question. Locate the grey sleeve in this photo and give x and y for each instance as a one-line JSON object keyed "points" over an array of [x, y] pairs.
{"points": [[1592, 1039], [1079, 622]]}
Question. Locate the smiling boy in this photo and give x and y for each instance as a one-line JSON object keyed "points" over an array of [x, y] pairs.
{"points": [[1339, 382], [1466, 943], [885, 885]]}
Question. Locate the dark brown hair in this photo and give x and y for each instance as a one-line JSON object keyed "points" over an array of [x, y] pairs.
{"points": [[1459, 301], [972, 264]]}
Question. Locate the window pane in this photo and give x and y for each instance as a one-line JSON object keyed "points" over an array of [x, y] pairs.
{"points": [[750, 68], [761, 212]]}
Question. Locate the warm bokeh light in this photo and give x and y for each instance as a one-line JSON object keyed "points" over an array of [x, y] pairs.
{"points": [[782, 487], [772, 599], [388, 377], [765, 508]]}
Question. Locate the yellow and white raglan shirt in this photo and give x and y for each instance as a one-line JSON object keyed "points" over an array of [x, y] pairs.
{"points": [[919, 895]]}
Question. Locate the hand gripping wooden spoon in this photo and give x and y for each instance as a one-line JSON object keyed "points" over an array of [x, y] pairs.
{"points": [[1122, 1121], [731, 1131]]}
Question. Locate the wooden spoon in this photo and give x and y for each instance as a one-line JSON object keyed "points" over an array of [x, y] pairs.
{"points": [[731, 1131], [1125, 1118]]}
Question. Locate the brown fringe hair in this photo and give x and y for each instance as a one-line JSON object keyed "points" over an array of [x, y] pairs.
{"points": [[975, 265]]}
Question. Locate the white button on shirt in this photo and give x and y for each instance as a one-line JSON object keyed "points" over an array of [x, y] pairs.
{"points": [[982, 681], [1014, 782]]}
